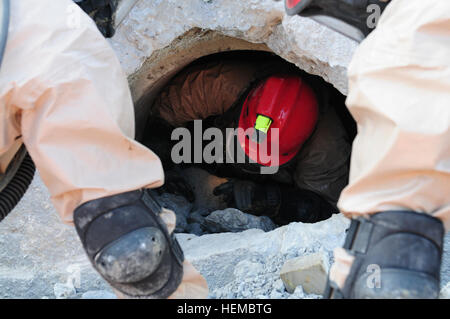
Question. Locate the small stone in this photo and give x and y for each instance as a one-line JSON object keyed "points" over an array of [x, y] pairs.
{"points": [[98, 294], [308, 271]]}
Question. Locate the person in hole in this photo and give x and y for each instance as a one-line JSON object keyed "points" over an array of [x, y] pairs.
{"points": [[261, 94]]}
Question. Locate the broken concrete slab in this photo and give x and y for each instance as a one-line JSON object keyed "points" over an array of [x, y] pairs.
{"points": [[155, 30], [308, 271]]}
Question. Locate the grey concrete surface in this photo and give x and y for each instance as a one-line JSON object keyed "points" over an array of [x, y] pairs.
{"points": [[42, 258]]}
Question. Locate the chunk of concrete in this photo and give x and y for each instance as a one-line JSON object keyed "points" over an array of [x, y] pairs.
{"points": [[308, 271], [233, 220]]}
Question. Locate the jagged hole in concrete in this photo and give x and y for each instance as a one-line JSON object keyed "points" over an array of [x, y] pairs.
{"points": [[208, 213]]}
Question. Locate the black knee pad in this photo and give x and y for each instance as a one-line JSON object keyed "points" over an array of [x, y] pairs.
{"points": [[397, 255], [129, 245]]}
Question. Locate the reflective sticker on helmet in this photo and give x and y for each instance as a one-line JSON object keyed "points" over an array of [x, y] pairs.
{"points": [[263, 123]]}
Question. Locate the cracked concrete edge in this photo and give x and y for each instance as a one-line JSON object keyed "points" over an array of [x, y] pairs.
{"points": [[168, 34]]}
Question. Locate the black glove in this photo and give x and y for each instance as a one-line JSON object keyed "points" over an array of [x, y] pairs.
{"points": [[300, 205], [175, 184], [250, 197], [102, 12]]}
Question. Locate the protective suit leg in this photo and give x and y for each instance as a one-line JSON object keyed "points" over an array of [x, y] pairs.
{"points": [[399, 95], [63, 92], [69, 101], [399, 82]]}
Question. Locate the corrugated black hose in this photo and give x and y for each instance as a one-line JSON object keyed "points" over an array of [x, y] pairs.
{"points": [[16, 188]]}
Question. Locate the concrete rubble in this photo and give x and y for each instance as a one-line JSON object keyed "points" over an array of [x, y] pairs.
{"points": [[250, 261], [42, 258], [205, 215], [308, 271]]}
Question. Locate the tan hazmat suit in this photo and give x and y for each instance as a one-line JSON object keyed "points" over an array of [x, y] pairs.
{"points": [[64, 94], [399, 94]]}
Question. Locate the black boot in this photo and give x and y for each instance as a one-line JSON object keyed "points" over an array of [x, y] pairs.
{"points": [[129, 245], [353, 18], [397, 255]]}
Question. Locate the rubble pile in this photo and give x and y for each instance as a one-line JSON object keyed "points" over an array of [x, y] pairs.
{"points": [[204, 221], [42, 258]]}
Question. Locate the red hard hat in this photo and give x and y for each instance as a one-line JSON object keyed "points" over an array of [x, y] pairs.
{"points": [[286, 103]]}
